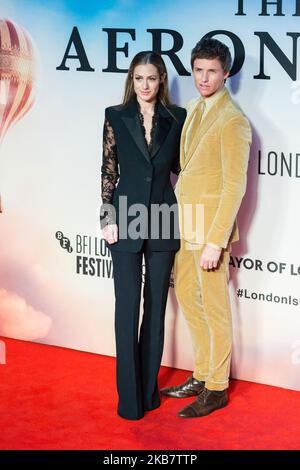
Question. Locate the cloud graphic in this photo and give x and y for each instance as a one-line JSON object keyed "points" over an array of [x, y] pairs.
{"points": [[19, 320]]}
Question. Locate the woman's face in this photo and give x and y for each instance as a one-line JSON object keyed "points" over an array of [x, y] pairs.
{"points": [[146, 81]]}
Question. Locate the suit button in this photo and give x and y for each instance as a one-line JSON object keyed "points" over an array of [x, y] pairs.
{"points": [[148, 179]]}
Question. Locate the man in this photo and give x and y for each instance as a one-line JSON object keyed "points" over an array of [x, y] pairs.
{"points": [[214, 156]]}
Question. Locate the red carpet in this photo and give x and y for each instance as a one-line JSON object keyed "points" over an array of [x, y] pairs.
{"points": [[56, 398]]}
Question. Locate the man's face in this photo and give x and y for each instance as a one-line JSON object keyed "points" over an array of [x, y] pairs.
{"points": [[209, 76]]}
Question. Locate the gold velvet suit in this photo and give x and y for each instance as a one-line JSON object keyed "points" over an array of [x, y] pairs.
{"points": [[214, 159]]}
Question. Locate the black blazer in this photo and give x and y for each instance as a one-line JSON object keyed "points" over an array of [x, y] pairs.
{"points": [[145, 177]]}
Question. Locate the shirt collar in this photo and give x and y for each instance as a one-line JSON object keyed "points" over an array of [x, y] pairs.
{"points": [[211, 100]]}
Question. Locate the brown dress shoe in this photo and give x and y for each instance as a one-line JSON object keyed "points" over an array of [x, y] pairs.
{"points": [[190, 388], [207, 402]]}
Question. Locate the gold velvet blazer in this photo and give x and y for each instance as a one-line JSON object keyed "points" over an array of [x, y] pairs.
{"points": [[213, 171]]}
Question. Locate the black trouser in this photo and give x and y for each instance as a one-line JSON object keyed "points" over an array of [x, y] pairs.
{"points": [[139, 355]]}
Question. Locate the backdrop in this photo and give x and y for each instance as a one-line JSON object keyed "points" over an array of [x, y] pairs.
{"points": [[65, 61]]}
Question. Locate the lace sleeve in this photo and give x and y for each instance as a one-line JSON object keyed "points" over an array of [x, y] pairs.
{"points": [[109, 174]]}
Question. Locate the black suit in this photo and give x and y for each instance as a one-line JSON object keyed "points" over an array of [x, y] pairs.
{"points": [[144, 179]]}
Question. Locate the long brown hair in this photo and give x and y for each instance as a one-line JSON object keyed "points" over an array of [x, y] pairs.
{"points": [[144, 58]]}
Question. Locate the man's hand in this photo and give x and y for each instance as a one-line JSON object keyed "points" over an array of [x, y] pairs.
{"points": [[210, 257], [110, 233]]}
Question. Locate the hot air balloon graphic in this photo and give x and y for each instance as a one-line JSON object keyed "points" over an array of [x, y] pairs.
{"points": [[17, 74]]}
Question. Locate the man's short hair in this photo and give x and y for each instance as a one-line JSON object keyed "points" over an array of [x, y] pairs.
{"points": [[212, 49]]}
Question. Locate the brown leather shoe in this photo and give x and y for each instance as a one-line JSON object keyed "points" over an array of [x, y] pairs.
{"points": [[207, 402], [190, 388]]}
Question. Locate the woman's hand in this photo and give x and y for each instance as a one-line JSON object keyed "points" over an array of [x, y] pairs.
{"points": [[110, 233], [210, 257]]}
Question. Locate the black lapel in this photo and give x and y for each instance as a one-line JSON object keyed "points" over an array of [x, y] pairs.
{"points": [[132, 122], [163, 128]]}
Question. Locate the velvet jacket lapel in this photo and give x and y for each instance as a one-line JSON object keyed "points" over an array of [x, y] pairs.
{"points": [[197, 133], [193, 113]]}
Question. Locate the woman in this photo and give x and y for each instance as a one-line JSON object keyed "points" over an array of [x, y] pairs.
{"points": [[140, 148]]}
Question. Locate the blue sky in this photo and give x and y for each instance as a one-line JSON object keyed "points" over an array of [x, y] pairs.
{"points": [[90, 8], [133, 9]]}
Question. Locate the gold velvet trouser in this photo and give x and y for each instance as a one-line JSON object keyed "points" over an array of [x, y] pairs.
{"points": [[204, 299]]}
